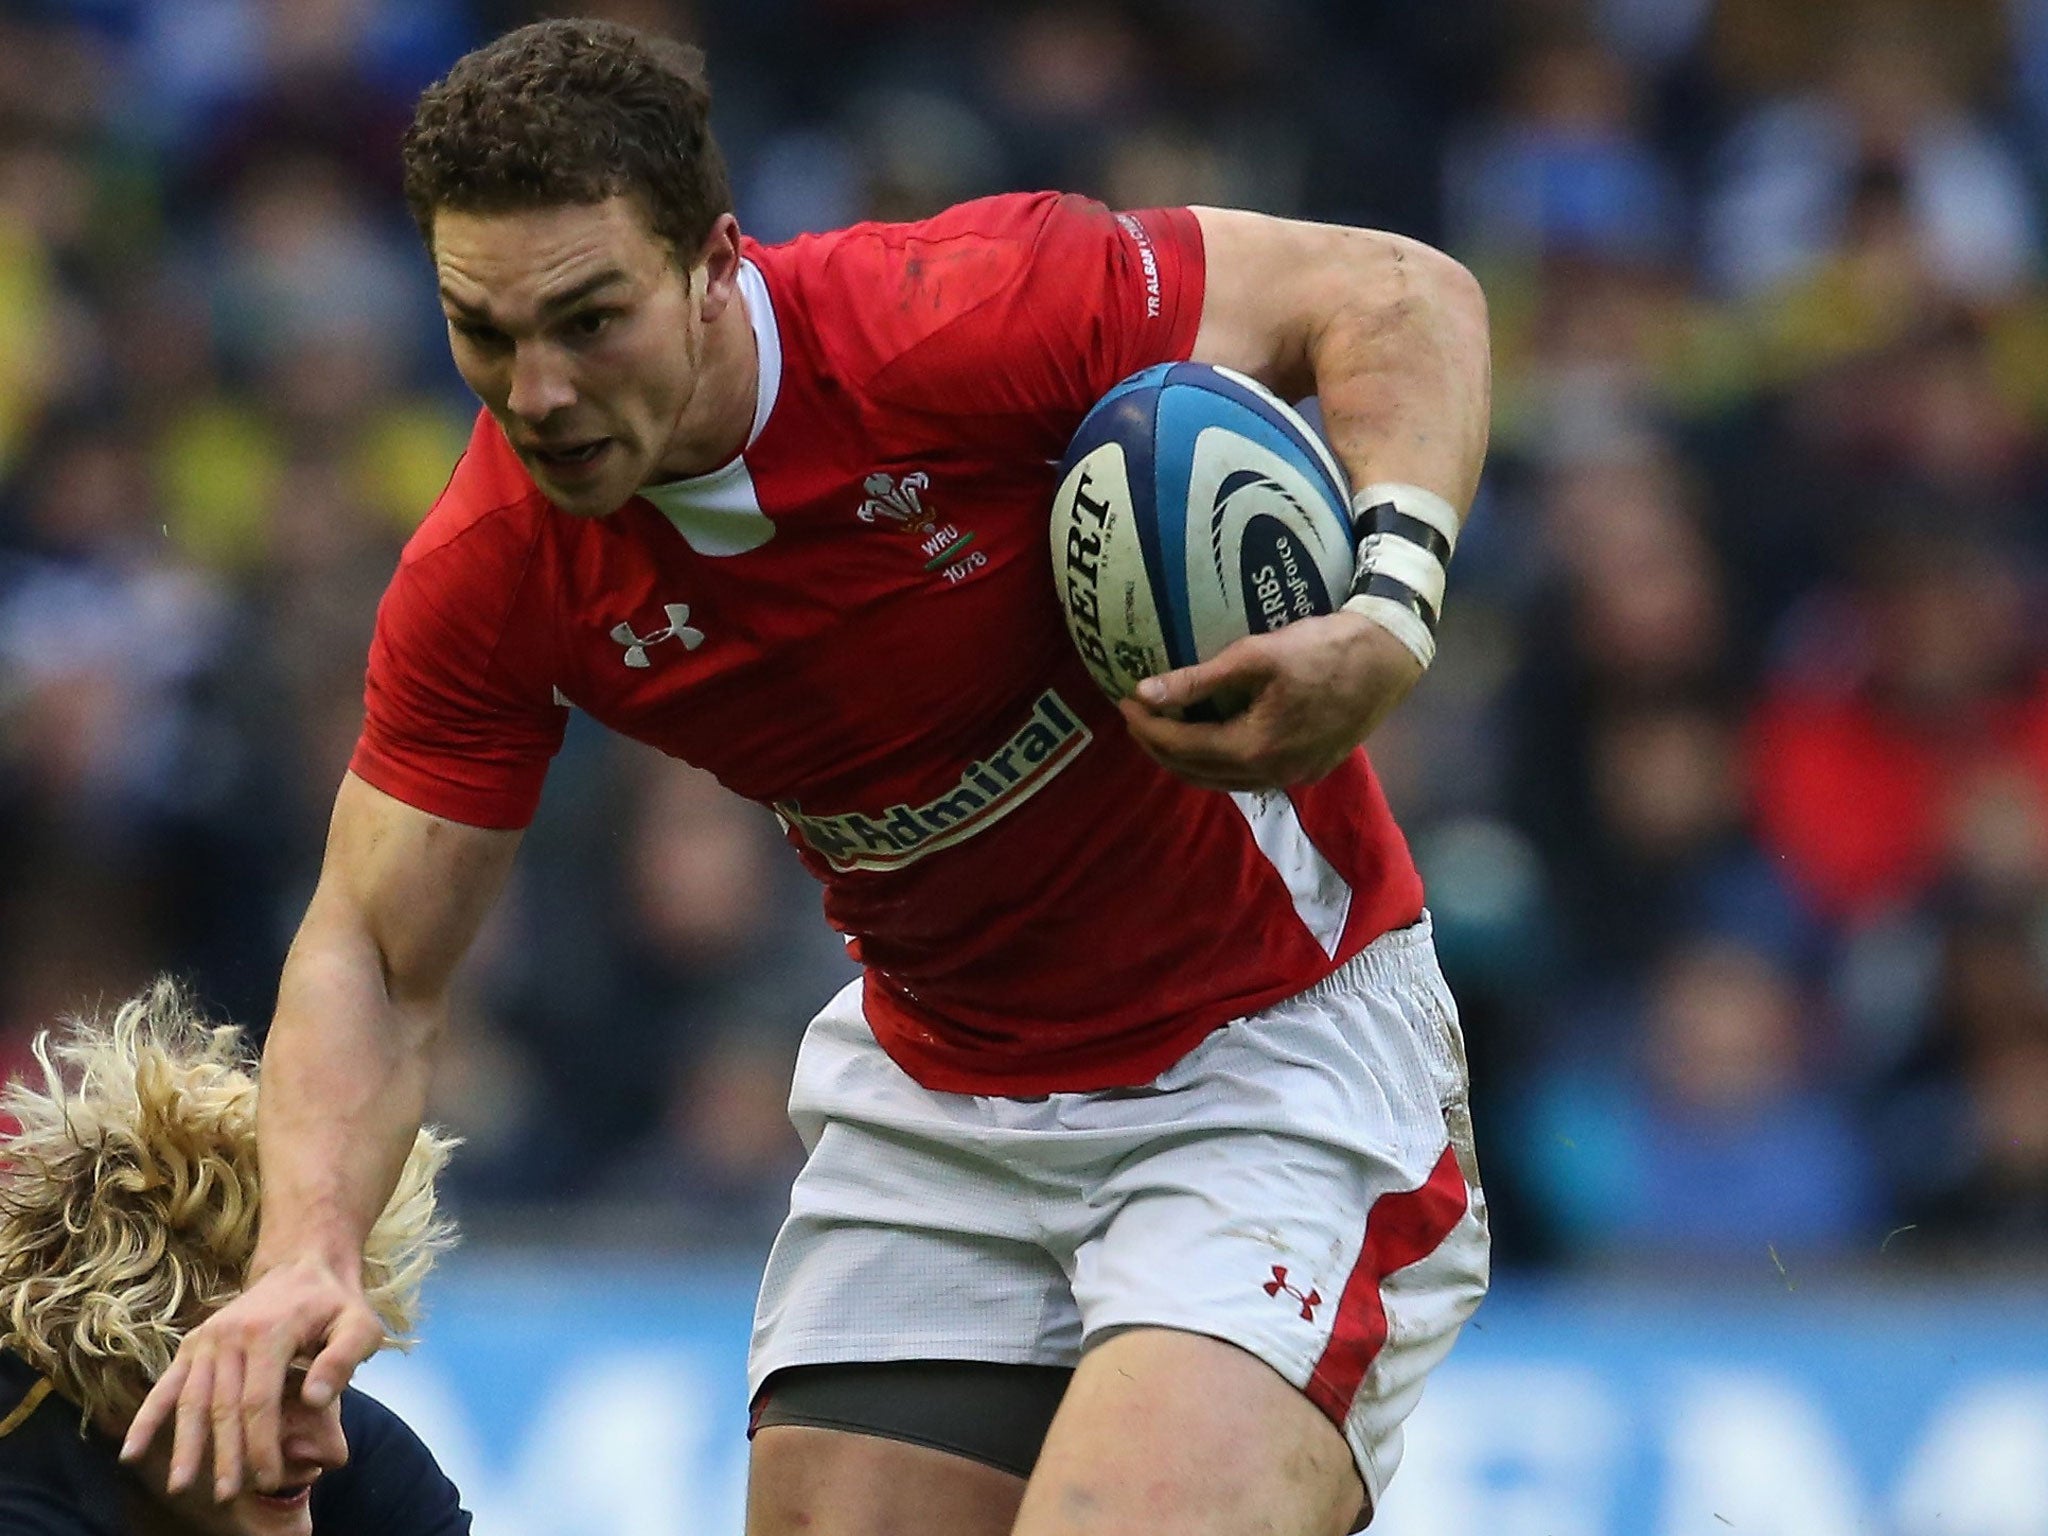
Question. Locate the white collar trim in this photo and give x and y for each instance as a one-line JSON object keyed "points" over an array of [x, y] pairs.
{"points": [[767, 343], [768, 349]]}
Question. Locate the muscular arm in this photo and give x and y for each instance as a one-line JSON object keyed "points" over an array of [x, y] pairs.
{"points": [[1391, 337], [400, 897], [1388, 334], [363, 994]]}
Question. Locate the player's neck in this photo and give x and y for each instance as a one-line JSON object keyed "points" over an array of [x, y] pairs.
{"points": [[714, 428]]}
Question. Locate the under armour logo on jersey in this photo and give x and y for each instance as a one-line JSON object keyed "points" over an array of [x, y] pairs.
{"points": [[678, 629], [1309, 1299]]}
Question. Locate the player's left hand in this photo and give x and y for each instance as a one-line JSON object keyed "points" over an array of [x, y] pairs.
{"points": [[1311, 692]]}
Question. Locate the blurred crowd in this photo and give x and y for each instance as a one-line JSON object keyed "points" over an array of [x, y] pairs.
{"points": [[1730, 783]]}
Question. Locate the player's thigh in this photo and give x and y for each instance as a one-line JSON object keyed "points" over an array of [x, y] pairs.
{"points": [[828, 1482], [1163, 1430]]}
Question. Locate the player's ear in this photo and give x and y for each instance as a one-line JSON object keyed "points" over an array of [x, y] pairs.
{"points": [[716, 274]]}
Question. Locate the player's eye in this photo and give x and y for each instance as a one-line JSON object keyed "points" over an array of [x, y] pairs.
{"points": [[590, 324], [487, 337]]}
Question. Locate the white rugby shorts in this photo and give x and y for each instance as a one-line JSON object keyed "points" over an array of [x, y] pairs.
{"points": [[1301, 1184]]}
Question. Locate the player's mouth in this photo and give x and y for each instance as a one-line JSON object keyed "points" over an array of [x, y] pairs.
{"points": [[573, 459], [286, 1500]]}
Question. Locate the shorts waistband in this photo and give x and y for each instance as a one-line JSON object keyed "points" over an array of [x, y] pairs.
{"points": [[1385, 959]]}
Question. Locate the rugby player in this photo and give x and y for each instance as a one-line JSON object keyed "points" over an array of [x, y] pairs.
{"points": [[1140, 1193], [128, 1203]]}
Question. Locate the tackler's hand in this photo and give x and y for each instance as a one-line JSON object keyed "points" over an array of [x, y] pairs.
{"points": [[1296, 702], [227, 1384]]}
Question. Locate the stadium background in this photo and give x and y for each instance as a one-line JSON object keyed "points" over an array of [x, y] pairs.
{"points": [[1730, 785]]}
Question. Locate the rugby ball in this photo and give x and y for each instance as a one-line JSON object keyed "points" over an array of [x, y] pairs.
{"points": [[1195, 507]]}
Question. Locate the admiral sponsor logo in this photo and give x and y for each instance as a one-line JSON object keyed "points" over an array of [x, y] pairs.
{"points": [[989, 789], [1148, 259]]}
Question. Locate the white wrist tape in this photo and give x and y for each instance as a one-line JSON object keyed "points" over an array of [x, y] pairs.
{"points": [[1406, 536], [1398, 620]]}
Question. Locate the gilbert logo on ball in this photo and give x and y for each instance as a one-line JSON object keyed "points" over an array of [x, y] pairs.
{"points": [[1195, 507]]}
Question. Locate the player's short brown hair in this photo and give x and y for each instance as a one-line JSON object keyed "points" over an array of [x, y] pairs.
{"points": [[571, 112]]}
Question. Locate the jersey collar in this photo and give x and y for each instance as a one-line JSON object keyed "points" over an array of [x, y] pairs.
{"points": [[767, 342], [768, 349]]}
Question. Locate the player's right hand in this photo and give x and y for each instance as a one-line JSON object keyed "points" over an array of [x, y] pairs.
{"points": [[1316, 689], [227, 1383]]}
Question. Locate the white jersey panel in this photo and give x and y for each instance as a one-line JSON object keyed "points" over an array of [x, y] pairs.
{"points": [[1322, 896], [718, 514]]}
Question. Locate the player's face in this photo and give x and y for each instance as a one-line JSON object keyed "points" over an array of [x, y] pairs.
{"points": [[313, 1446], [585, 337]]}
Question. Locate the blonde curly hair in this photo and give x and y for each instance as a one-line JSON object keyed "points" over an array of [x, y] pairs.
{"points": [[128, 1200]]}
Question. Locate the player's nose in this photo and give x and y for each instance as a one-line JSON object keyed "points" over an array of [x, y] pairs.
{"points": [[541, 385], [313, 1437]]}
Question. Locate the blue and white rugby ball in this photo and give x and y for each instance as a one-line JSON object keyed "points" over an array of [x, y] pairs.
{"points": [[1195, 507]]}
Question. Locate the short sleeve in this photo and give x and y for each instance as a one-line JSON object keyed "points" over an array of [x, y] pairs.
{"points": [[392, 1486], [459, 711], [1027, 307]]}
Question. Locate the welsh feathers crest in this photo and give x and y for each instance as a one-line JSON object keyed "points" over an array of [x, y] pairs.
{"points": [[900, 501]]}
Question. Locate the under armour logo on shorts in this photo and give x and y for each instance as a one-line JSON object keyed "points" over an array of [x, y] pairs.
{"points": [[1310, 1299]]}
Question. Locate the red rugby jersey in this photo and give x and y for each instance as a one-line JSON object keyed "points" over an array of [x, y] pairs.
{"points": [[855, 623]]}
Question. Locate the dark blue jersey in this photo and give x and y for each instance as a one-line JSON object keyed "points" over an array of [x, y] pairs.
{"points": [[392, 1486], [56, 1482]]}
